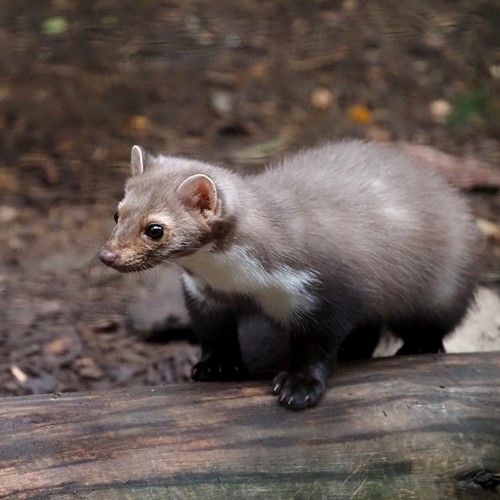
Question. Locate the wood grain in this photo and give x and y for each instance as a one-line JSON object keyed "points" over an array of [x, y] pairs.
{"points": [[416, 427]]}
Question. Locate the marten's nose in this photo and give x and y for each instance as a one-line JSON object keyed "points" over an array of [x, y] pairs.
{"points": [[107, 257]]}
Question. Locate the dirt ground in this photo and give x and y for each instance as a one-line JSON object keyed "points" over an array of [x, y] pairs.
{"points": [[239, 83]]}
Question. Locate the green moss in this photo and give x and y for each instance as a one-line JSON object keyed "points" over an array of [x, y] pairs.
{"points": [[54, 25], [468, 108]]}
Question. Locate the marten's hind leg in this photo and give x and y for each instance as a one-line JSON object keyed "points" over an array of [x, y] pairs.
{"points": [[424, 332], [360, 343], [420, 337]]}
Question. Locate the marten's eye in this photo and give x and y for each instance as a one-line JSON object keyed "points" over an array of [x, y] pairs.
{"points": [[115, 217], [154, 231]]}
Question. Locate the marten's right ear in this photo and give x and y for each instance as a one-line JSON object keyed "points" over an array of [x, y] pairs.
{"points": [[199, 193], [136, 161]]}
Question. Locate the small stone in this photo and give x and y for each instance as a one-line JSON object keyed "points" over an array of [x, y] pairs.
{"points": [[222, 102], [87, 368], [440, 110], [321, 98]]}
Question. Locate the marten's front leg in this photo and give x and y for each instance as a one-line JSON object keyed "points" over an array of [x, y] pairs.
{"points": [[217, 332], [220, 348], [314, 348]]}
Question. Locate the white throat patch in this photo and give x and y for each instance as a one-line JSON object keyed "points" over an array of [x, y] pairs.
{"points": [[281, 293]]}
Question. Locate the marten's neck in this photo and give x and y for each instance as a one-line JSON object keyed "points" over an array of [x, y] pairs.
{"points": [[280, 290]]}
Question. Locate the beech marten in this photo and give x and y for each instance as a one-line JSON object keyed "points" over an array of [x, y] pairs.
{"points": [[330, 245]]}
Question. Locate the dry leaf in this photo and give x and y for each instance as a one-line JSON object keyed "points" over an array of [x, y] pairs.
{"points": [[139, 122], [360, 114]]}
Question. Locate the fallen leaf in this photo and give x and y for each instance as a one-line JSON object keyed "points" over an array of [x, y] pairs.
{"points": [[139, 122], [360, 114]]}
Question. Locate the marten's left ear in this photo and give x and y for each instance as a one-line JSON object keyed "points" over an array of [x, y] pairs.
{"points": [[199, 193], [136, 161]]}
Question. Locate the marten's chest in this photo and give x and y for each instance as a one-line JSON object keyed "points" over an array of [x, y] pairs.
{"points": [[281, 292]]}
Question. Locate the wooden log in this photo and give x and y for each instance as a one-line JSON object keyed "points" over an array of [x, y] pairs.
{"points": [[418, 427], [464, 173]]}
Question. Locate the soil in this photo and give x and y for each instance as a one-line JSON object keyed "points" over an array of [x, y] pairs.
{"points": [[239, 83]]}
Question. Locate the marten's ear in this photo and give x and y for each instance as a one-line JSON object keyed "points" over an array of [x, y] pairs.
{"points": [[199, 193], [136, 161]]}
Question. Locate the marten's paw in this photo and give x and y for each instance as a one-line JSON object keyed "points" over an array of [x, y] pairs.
{"points": [[214, 368], [298, 390]]}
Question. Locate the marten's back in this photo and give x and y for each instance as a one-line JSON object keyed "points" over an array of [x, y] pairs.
{"points": [[373, 215]]}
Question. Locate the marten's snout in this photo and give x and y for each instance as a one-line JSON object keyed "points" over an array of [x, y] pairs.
{"points": [[107, 257]]}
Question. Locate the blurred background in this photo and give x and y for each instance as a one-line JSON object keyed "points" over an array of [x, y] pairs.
{"points": [[238, 83]]}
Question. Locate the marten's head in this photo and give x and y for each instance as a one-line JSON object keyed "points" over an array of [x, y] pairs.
{"points": [[171, 208]]}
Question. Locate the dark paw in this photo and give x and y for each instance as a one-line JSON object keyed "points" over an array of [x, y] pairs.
{"points": [[299, 390], [213, 369]]}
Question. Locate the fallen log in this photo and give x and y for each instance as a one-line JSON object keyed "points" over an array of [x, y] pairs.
{"points": [[464, 173], [402, 427]]}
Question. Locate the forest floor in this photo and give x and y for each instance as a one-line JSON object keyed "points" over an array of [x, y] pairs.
{"points": [[241, 85]]}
